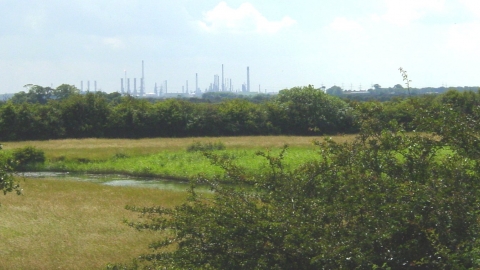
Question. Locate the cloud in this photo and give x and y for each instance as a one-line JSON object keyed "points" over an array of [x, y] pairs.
{"points": [[245, 19], [404, 12], [344, 24]]}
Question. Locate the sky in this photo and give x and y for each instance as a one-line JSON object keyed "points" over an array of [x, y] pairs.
{"points": [[349, 43]]}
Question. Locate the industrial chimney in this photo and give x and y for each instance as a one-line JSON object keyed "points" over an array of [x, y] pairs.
{"points": [[223, 81], [248, 79]]}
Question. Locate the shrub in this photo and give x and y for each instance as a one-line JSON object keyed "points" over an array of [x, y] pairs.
{"points": [[203, 147], [28, 157], [7, 182], [386, 200]]}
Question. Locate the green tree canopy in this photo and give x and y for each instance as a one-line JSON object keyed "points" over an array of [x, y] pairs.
{"points": [[306, 110]]}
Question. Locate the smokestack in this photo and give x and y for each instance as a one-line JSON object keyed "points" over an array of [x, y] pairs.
{"points": [[134, 86], [121, 86], [128, 86], [248, 79], [95, 85], [223, 81]]}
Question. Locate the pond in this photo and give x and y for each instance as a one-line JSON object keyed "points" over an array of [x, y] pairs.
{"points": [[115, 180]]}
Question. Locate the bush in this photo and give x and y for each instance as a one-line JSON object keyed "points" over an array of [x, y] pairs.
{"points": [[7, 182], [387, 200], [28, 157], [203, 147]]}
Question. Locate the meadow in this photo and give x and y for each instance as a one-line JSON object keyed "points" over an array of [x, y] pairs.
{"points": [[166, 157], [60, 224]]}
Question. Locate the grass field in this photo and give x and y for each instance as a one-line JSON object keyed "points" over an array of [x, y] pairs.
{"points": [[73, 225], [166, 157], [102, 149], [59, 224]]}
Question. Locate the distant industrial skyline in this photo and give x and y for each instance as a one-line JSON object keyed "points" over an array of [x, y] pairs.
{"points": [[285, 43], [161, 86]]}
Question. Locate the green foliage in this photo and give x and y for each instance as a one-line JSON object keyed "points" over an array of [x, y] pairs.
{"points": [[28, 157], [208, 146], [7, 182], [85, 116], [306, 110], [41, 95], [335, 91], [386, 200], [45, 113]]}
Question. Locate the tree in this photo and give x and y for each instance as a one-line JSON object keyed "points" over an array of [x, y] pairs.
{"points": [[84, 115], [8, 119], [335, 91], [241, 117], [64, 91], [307, 110]]}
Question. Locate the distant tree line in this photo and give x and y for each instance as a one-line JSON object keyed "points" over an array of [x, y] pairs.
{"points": [[377, 92], [44, 113]]}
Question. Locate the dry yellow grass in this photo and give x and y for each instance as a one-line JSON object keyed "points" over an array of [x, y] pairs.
{"points": [[73, 225], [97, 149]]}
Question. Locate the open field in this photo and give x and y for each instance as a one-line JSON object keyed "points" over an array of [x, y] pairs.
{"points": [[167, 157], [101, 149], [73, 225], [60, 224]]}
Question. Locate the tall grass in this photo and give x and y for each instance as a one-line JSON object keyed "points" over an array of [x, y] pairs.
{"points": [[73, 225], [103, 149], [179, 164], [166, 157]]}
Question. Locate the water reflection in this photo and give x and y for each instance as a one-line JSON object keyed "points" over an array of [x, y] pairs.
{"points": [[116, 180]]}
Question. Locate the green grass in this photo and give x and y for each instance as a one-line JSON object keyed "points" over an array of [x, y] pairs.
{"points": [[60, 224], [103, 149], [74, 225], [166, 157], [181, 164]]}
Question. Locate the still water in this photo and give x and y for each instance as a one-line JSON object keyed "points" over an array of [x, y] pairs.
{"points": [[115, 180]]}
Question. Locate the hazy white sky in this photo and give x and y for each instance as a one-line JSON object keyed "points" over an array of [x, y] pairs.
{"points": [[285, 43]]}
